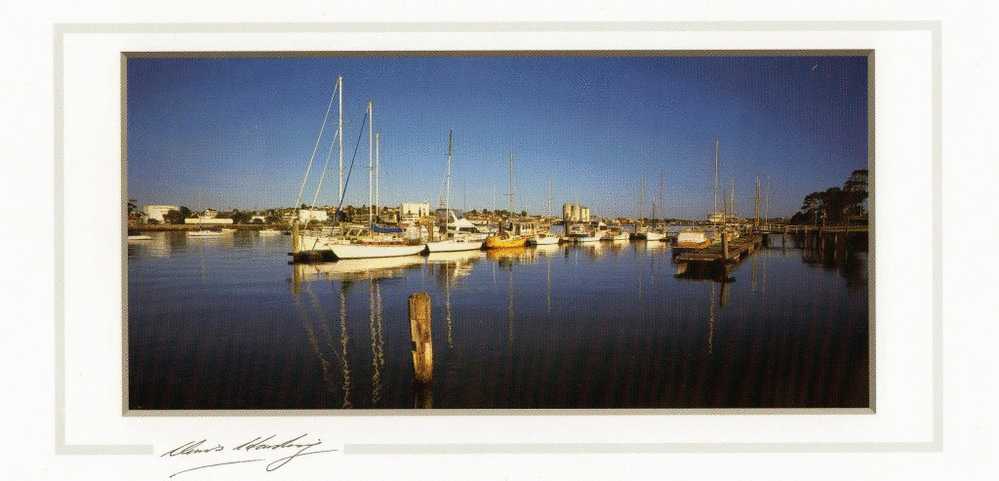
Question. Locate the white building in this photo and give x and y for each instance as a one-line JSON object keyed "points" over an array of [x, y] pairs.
{"points": [[156, 212], [312, 215], [410, 211]]}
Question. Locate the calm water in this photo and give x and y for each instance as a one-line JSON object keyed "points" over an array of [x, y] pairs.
{"points": [[228, 323]]}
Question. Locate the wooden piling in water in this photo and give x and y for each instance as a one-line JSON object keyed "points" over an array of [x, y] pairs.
{"points": [[724, 243], [420, 333], [295, 240]]}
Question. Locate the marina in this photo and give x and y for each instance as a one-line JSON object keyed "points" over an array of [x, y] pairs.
{"points": [[416, 292]]}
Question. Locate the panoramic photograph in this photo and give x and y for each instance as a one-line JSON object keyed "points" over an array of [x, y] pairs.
{"points": [[496, 231]]}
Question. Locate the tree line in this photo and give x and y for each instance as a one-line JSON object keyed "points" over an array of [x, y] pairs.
{"points": [[836, 205]]}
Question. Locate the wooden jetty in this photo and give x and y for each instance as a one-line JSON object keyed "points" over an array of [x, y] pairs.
{"points": [[725, 252]]}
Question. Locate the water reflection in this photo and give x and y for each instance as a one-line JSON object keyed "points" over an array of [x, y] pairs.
{"points": [[229, 324]]}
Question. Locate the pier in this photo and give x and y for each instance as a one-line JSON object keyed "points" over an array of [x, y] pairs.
{"points": [[720, 254]]}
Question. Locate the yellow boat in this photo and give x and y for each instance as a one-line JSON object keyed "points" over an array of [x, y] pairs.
{"points": [[504, 240]]}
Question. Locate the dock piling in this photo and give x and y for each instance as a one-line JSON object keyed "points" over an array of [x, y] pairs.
{"points": [[422, 343], [724, 244]]}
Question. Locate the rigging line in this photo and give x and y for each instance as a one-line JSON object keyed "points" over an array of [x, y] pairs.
{"points": [[351, 167], [336, 215], [301, 190], [329, 154]]}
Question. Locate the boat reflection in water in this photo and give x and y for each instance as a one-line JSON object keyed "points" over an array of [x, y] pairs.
{"points": [[355, 269]]}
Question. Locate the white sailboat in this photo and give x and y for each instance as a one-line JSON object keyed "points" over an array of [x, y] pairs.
{"points": [[455, 240], [375, 241], [545, 238]]}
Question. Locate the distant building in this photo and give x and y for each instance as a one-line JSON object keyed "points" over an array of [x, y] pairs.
{"points": [[312, 215], [258, 219], [575, 213], [207, 220], [156, 212], [209, 214], [410, 211]]}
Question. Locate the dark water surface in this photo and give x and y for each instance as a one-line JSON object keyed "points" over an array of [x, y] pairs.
{"points": [[227, 323]]}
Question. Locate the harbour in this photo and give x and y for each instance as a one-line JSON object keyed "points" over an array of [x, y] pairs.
{"points": [[340, 260]]}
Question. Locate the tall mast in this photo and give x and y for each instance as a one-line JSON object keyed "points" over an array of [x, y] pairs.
{"points": [[756, 203], [447, 191], [510, 187], [339, 86], [378, 160], [371, 165], [548, 205], [731, 201], [766, 212], [717, 186], [641, 200]]}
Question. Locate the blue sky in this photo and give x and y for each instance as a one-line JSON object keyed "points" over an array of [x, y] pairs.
{"points": [[238, 132]]}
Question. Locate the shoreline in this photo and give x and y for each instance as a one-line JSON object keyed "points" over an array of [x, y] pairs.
{"points": [[190, 227]]}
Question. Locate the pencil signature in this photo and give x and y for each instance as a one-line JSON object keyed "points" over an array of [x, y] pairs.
{"points": [[261, 447]]}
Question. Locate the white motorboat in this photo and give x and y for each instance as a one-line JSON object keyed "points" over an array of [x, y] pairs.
{"points": [[204, 233], [615, 233], [579, 233], [139, 237], [543, 240], [269, 232]]}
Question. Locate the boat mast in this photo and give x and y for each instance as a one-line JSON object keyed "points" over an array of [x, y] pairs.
{"points": [[447, 189], [766, 211], [339, 85], [371, 165], [717, 187], [378, 161], [756, 203], [510, 187], [548, 206]]}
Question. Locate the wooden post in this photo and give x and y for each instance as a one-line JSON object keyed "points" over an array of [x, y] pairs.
{"points": [[296, 243], [422, 344], [724, 242]]}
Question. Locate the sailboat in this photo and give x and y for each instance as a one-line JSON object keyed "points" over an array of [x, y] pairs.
{"points": [[693, 239], [511, 234], [359, 242], [456, 240], [545, 238], [374, 241]]}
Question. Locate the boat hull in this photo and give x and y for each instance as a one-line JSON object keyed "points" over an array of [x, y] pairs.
{"points": [[617, 237], [369, 251], [543, 241], [499, 243], [580, 239], [203, 234], [454, 245], [650, 236]]}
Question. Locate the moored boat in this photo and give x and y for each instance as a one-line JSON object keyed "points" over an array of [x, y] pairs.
{"points": [[505, 240], [580, 233], [204, 233]]}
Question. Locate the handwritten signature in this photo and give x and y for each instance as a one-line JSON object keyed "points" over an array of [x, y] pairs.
{"points": [[298, 446]]}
